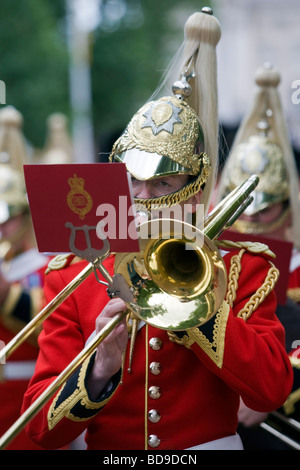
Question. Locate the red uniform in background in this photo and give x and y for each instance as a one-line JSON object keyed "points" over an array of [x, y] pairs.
{"points": [[294, 280], [26, 298]]}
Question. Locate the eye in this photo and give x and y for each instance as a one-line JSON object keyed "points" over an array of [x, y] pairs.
{"points": [[164, 183], [133, 179]]}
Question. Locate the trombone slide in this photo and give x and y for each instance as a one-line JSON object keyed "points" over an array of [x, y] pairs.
{"points": [[58, 382], [43, 314]]}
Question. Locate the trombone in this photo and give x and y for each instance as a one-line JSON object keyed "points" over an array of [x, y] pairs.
{"points": [[200, 302]]}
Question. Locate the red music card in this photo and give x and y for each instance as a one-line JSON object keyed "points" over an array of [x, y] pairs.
{"points": [[78, 207]]}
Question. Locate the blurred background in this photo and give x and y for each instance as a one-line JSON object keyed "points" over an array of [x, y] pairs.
{"points": [[95, 62]]}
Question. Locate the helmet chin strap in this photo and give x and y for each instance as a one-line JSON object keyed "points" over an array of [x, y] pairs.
{"points": [[172, 199]]}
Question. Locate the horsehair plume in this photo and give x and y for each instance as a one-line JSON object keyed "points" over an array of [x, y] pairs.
{"points": [[202, 34]]}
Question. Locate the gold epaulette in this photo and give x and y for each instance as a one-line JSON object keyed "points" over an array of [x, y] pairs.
{"points": [[59, 262], [251, 247]]}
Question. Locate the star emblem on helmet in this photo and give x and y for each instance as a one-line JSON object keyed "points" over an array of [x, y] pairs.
{"points": [[162, 117]]}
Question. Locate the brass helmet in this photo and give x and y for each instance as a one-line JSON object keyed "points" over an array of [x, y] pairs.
{"points": [[262, 148], [164, 138], [167, 136]]}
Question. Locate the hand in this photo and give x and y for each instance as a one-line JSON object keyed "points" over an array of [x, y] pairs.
{"points": [[108, 358], [249, 417]]}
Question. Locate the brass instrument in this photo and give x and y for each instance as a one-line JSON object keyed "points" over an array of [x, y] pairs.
{"points": [[192, 282]]}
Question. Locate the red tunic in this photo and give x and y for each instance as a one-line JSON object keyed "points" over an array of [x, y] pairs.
{"points": [[199, 384]]}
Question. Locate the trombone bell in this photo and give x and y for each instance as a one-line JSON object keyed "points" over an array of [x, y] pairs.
{"points": [[178, 278]]}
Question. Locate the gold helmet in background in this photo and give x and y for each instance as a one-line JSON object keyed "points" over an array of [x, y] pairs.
{"points": [[262, 147], [13, 197], [259, 155], [12, 142], [58, 146]]}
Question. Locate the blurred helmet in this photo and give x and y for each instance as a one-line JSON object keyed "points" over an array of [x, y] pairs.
{"points": [[58, 148], [13, 198], [262, 148], [262, 157], [13, 147]]}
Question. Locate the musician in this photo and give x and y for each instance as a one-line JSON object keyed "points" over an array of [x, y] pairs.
{"points": [[183, 388], [21, 296], [262, 146]]}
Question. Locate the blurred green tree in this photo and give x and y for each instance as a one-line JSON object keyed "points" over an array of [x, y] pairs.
{"points": [[33, 63], [129, 50], [130, 53]]}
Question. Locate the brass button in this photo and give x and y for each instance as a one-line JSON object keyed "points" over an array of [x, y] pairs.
{"points": [[155, 368], [153, 440], [155, 343], [154, 392], [153, 416]]}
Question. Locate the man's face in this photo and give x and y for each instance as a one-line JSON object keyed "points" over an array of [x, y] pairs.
{"points": [[265, 216], [275, 221], [10, 227]]}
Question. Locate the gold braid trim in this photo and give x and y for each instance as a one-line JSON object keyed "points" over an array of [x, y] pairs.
{"points": [[233, 277], [260, 295], [79, 394], [214, 349], [292, 399]]}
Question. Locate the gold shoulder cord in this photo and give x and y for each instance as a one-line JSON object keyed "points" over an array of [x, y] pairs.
{"points": [[58, 262], [233, 277], [260, 294], [234, 272], [215, 349]]}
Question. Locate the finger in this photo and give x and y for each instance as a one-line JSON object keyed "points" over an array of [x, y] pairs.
{"points": [[112, 307]]}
